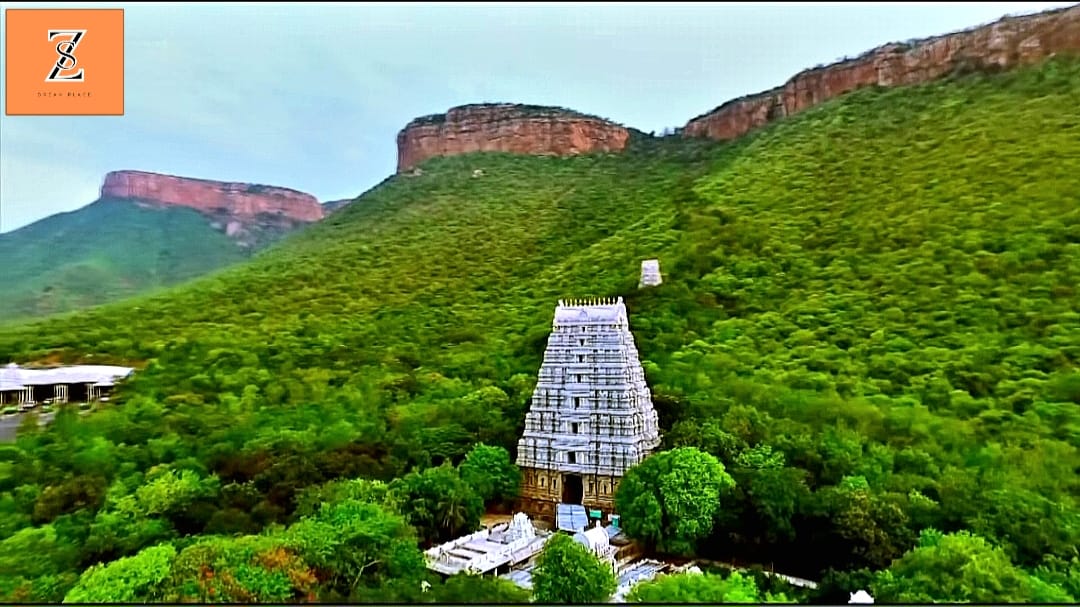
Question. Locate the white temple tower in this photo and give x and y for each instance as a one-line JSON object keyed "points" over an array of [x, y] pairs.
{"points": [[591, 415], [650, 273]]}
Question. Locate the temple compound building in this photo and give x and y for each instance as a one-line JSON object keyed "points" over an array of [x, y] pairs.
{"points": [[488, 551], [650, 273], [591, 416], [81, 383], [597, 541]]}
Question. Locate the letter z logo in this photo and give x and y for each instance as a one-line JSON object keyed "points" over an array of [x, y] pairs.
{"points": [[66, 51], [62, 61]]}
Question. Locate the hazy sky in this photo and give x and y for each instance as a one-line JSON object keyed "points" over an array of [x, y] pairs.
{"points": [[312, 96]]}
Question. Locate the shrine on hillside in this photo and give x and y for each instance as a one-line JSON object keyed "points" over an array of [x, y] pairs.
{"points": [[650, 274]]}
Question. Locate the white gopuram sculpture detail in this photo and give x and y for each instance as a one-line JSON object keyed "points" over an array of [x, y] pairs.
{"points": [[650, 273], [521, 528], [591, 415]]}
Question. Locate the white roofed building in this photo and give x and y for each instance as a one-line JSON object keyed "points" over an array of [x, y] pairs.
{"points": [[78, 383], [493, 550]]}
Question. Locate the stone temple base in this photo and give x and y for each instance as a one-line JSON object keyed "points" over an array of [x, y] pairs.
{"points": [[542, 490]]}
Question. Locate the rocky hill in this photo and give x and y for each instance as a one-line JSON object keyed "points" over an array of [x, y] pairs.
{"points": [[506, 127], [1006, 43], [146, 231], [869, 315], [241, 210]]}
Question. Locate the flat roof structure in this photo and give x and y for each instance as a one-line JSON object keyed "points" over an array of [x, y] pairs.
{"points": [[506, 544], [571, 517], [522, 577], [14, 377]]}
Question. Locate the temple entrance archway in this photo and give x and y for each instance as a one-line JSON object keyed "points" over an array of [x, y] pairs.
{"points": [[572, 490]]}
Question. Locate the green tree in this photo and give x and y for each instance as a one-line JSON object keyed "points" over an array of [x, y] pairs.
{"points": [[357, 543], [466, 588], [169, 492], [1034, 525], [133, 579], [69, 496], [707, 435], [836, 586], [245, 569], [438, 503], [670, 500], [702, 588], [483, 414], [566, 572], [35, 551], [114, 534], [491, 473], [360, 489], [1061, 573], [959, 568]]}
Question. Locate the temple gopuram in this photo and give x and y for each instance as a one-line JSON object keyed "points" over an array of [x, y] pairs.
{"points": [[591, 416]]}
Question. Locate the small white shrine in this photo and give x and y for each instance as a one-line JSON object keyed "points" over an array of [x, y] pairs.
{"points": [[488, 550], [598, 542], [650, 273]]}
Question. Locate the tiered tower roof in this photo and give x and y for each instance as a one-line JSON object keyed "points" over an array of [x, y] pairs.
{"points": [[591, 412]]}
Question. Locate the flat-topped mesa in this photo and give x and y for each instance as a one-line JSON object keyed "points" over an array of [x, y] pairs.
{"points": [[507, 127], [240, 201], [1006, 43]]}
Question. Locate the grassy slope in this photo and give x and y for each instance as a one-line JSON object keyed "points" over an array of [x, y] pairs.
{"points": [[106, 251], [893, 272]]}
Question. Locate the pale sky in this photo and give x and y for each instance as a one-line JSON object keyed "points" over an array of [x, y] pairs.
{"points": [[312, 96]]}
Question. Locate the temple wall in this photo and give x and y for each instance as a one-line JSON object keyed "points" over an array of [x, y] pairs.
{"points": [[542, 489]]}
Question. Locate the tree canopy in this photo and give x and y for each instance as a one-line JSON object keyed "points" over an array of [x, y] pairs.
{"points": [[566, 572], [491, 473], [961, 568], [702, 588], [671, 498]]}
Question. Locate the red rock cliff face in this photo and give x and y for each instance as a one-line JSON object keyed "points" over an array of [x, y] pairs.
{"points": [[506, 128], [1007, 43], [239, 201]]}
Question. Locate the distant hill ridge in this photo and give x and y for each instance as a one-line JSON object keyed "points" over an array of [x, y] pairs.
{"points": [[240, 200], [544, 130], [146, 231], [1003, 44], [253, 215], [507, 127]]}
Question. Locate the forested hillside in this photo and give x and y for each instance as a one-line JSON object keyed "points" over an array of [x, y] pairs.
{"points": [[105, 251], [870, 317]]}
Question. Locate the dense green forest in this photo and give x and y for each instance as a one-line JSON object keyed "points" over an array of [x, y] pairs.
{"points": [[106, 251], [865, 353]]}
